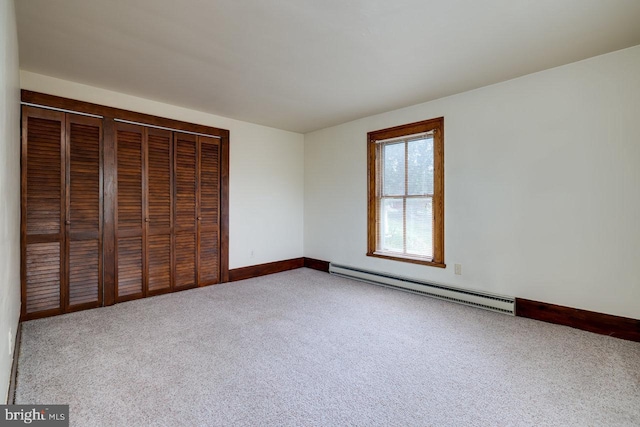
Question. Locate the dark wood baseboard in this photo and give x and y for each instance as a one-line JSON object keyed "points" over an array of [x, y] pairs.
{"points": [[317, 264], [264, 269], [605, 324], [13, 379]]}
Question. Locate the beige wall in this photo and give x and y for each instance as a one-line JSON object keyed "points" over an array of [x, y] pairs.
{"points": [[9, 191], [266, 172], [542, 178]]}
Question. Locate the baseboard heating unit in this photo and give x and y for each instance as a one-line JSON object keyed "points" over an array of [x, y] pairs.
{"points": [[498, 303]]}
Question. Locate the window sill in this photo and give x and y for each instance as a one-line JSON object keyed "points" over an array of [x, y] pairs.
{"points": [[396, 257]]}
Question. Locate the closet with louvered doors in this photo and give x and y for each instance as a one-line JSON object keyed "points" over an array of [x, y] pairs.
{"points": [[61, 212], [117, 205], [144, 211]]}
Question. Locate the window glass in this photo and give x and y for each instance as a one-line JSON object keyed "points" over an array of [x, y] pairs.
{"points": [[393, 155]]}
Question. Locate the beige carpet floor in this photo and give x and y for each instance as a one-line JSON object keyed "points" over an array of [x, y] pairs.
{"points": [[304, 348]]}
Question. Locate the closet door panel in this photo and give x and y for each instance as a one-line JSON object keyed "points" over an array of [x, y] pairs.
{"points": [[84, 223], [185, 182], [43, 276], [209, 256], [159, 167], [44, 173], [185, 260], [159, 252], [159, 226], [129, 165], [129, 212], [85, 137], [43, 212], [85, 279], [185, 209], [129, 266], [208, 224]]}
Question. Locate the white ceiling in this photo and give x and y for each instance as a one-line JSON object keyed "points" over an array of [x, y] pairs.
{"points": [[303, 65]]}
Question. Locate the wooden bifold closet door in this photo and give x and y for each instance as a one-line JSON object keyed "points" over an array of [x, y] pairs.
{"points": [[144, 211], [130, 230], [197, 220], [117, 205], [167, 232], [61, 212], [84, 213]]}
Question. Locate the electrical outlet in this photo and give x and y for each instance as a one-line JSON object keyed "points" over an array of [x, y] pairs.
{"points": [[10, 343], [458, 269]]}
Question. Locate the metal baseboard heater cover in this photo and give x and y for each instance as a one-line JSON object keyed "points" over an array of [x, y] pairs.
{"points": [[498, 303]]}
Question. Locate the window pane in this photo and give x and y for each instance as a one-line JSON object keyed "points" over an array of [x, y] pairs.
{"points": [[420, 226], [391, 232], [420, 158], [393, 164]]}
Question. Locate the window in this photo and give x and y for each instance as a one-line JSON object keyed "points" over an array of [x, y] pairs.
{"points": [[406, 193]]}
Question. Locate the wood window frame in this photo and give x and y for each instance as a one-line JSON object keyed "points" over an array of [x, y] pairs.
{"points": [[109, 157], [373, 165]]}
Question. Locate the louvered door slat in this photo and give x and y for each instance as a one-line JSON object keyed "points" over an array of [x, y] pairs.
{"points": [[159, 207], [84, 248], [209, 186], [185, 210], [130, 203]]}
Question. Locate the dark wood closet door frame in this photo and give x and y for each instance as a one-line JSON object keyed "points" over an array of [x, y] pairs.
{"points": [[110, 193], [104, 111], [109, 176]]}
